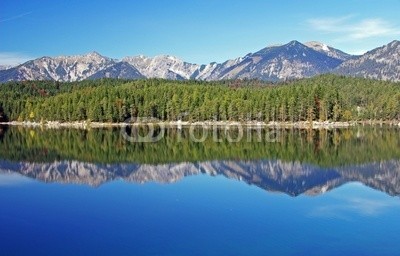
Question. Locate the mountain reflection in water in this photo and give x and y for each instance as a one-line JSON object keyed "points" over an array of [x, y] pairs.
{"points": [[298, 162]]}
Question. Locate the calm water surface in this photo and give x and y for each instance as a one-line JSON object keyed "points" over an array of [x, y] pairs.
{"points": [[70, 192]]}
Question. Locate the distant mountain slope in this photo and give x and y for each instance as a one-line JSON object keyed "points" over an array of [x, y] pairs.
{"points": [[328, 50], [274, 63], [5, 67], [122, 70], [163, 66], [289, 61], [382, 63], [63, 68]]}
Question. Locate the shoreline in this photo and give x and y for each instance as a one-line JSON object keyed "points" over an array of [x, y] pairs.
{"points": [[205, 124]]}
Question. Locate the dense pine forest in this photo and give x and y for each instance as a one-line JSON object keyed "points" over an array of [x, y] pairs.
{"points": [[322, 98]]}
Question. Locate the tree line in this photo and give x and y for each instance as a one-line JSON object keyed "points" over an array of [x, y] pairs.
{"points": [[322, 98]]}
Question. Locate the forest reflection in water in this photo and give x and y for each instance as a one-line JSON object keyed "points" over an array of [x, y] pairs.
{"points": [[293, 161]]}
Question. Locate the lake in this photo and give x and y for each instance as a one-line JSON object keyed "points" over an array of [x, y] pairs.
{"points": [[200, 191]]}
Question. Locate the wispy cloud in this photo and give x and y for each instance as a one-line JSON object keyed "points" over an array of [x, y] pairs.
{"points": [[347, 28], [13, 58], [355, 205], [15, 17]]}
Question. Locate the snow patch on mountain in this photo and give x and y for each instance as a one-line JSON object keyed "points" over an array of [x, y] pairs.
{"points": [[5, 67], [328, 50], [162, 66]]}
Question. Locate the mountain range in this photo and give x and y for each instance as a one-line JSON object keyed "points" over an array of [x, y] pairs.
{"points": [[291, 178], [274, 63]]}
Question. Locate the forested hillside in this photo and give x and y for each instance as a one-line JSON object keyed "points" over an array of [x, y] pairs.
{"points": [[322, 98]]}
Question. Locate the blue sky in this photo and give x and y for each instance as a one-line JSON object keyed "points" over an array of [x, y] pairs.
{"points": [[199, 31]]}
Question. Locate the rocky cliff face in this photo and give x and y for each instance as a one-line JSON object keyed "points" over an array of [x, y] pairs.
{"points": [[120, 70]]}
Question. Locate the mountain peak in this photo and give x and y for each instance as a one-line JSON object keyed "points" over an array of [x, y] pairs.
{"points": [[167, 57], [318, 45], [288, 48], [394, 43], [94, 54], [294, 43], [328, 50]]}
